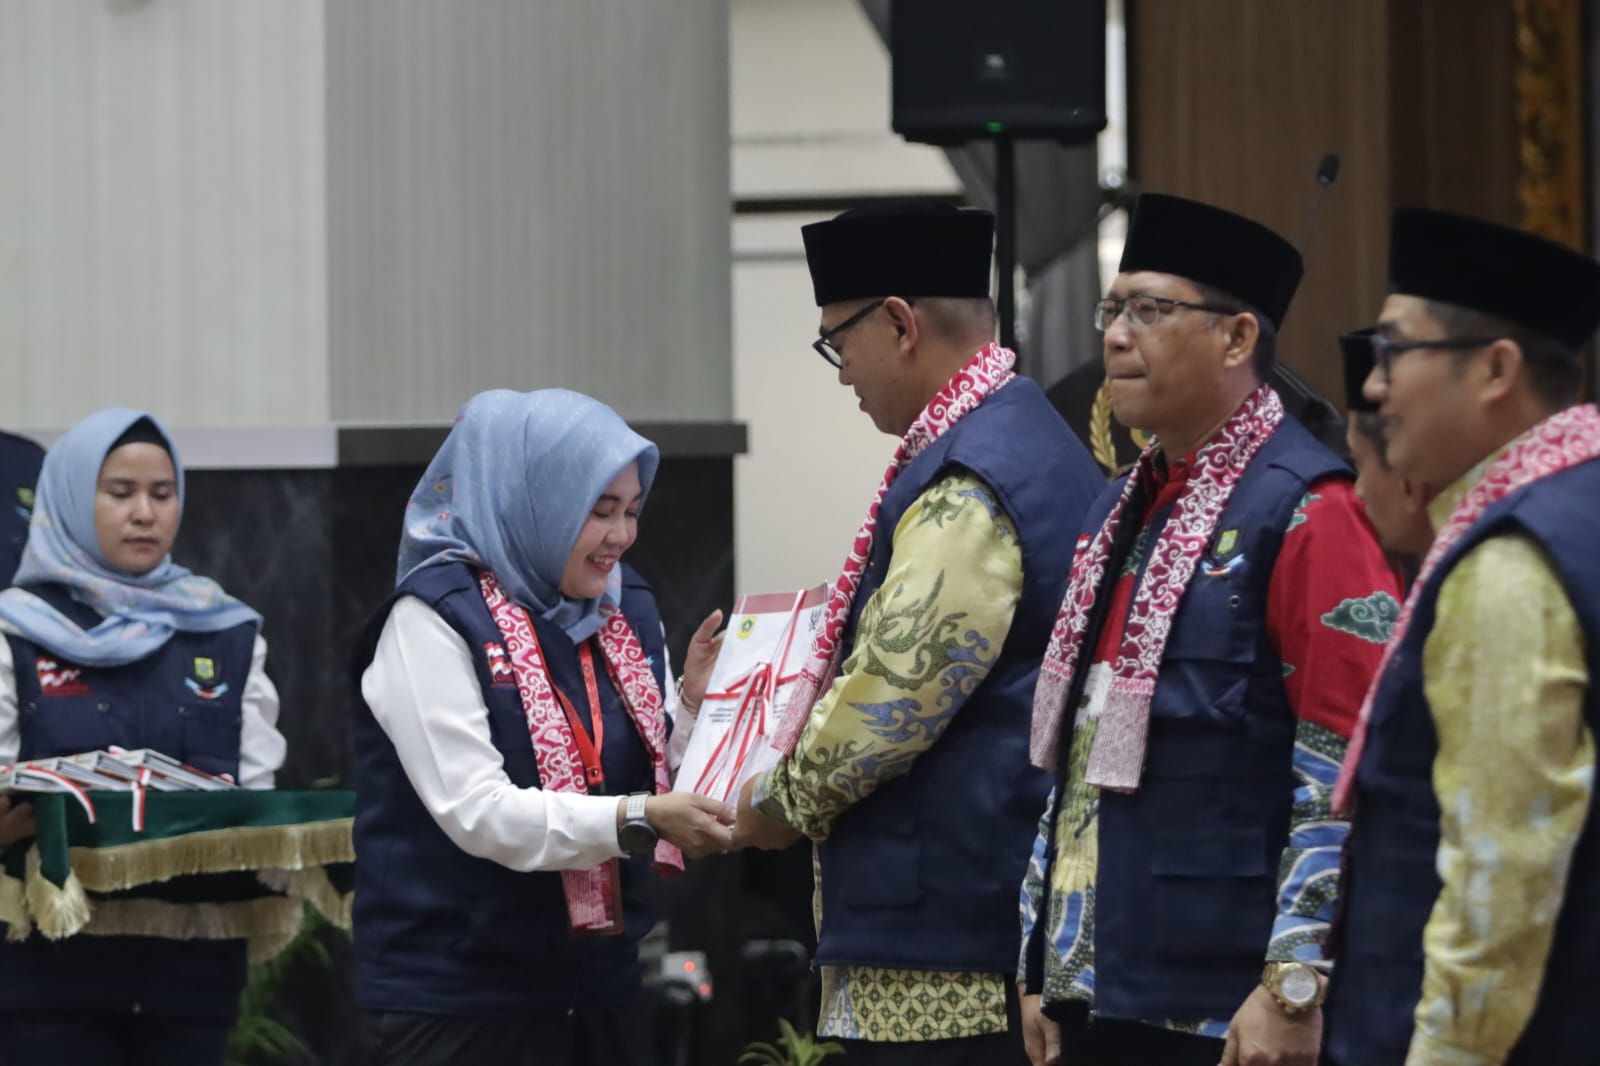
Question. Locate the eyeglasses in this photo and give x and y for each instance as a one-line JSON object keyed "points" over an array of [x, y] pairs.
{"points": [[1384, 350], [1145, 310], [825, 345]]}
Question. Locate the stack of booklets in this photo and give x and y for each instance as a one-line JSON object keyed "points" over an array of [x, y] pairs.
{"points": [[114, 770]]}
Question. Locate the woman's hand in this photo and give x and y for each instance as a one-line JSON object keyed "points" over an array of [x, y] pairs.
{"points": [[16, 820], [699, 825], [698, 661]]}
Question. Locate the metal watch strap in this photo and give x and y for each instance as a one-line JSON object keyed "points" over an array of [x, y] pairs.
{"points": [[634, 812], [1272, 979]]}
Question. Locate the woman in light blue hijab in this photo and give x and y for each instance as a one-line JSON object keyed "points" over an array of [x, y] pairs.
{"points": [[512, 487], [140, 606], [513, 698], [108, 642]]}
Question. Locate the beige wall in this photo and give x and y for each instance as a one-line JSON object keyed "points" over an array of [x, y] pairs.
{"points": [[810, 119], [161, 211], [811, 105], [815, 458], [536, 195], [286, 214]]}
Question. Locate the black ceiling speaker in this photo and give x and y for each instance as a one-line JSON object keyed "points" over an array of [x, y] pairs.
{"points": [[968, 69]]}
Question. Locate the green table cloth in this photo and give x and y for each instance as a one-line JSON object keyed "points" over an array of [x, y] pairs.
{"points": [[205, 865]]}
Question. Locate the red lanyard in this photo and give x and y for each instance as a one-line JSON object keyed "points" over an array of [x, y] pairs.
{"points": [[588, 749]]}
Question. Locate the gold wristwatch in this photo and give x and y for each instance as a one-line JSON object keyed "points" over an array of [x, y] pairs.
{"points": [[1296, 986]]}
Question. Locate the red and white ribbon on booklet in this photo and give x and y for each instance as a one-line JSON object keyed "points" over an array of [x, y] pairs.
{"points": [[65, 784], [141, 785], [756, 670]]}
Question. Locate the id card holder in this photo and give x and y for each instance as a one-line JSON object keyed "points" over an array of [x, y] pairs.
{"points": [[611, 890]]}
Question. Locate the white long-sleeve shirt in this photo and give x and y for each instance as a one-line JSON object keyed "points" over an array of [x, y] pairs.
{"points": [[424, 693], [261, 747]]}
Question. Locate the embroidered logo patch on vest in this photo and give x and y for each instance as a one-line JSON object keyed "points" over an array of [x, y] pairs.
{"points": [[1227, 542], [60, 678], [202, 679], [1225, 568], [500, 672], [25, 498]]}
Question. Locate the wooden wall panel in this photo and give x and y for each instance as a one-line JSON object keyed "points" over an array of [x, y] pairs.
{"points": [[1452, 106], [1235, 102]]}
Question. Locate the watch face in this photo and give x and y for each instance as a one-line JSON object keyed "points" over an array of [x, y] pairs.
{"points": [[1299, 985], [636, 837]]}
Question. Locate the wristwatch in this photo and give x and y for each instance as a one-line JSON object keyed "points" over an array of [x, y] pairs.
{"points": [[1296, 986], [636, 835]]}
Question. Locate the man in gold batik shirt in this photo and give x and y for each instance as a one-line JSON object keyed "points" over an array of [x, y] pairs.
{"points": [[1470, 932], [908, 751]]}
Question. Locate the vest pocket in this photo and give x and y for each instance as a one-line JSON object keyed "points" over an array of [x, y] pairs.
{"points": [[67, 725], [873, 858], [1215, 853], [210, 737], [1216, 621], [1213, 893]]}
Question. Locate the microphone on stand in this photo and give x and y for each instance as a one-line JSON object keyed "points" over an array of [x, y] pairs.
{"points": [[1315, 413], [1327, 174]]}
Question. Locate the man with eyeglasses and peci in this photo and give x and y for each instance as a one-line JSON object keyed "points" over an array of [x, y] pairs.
{"points": [[1470, 927], [1227, 606], [908, 743], [1396, 504]]}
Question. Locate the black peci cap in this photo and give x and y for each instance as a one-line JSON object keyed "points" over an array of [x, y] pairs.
{"points": [[1496, 270], [1213, 247], [905, 248]]}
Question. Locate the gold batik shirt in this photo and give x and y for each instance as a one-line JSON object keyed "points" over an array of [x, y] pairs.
{"points": [[925, 640], [1505, 676]]}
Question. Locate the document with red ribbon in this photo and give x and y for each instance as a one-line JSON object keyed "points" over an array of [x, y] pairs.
{"points": [[755, 673]]}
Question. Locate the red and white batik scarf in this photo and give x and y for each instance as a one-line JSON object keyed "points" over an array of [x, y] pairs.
{"points": [[1117, 759], [1563, 440], [555, 749], [985, 372]]}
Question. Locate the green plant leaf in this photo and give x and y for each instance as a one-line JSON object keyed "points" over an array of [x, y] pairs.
{"points": [[792, 1048], [257, 1036], [762, 1054]]}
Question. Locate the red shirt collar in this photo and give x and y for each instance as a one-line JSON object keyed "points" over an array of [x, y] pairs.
{"points": [[1175, 474]]}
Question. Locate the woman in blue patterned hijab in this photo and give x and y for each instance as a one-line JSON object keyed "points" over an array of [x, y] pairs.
{"points": [[142, 596], [517, 511], [109, 643], [513, 760]]}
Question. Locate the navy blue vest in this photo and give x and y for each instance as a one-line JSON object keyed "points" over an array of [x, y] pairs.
{"points": [[177, 704], [438, 931], [1391, 884], [923, 874], [1186, 888], [19, 470]]}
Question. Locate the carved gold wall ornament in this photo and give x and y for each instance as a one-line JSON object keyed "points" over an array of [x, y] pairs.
{"points": [[1102, 442], [1550, 114]]}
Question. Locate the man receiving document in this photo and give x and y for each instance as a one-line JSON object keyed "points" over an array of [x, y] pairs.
{"points": [[907, 743]]}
